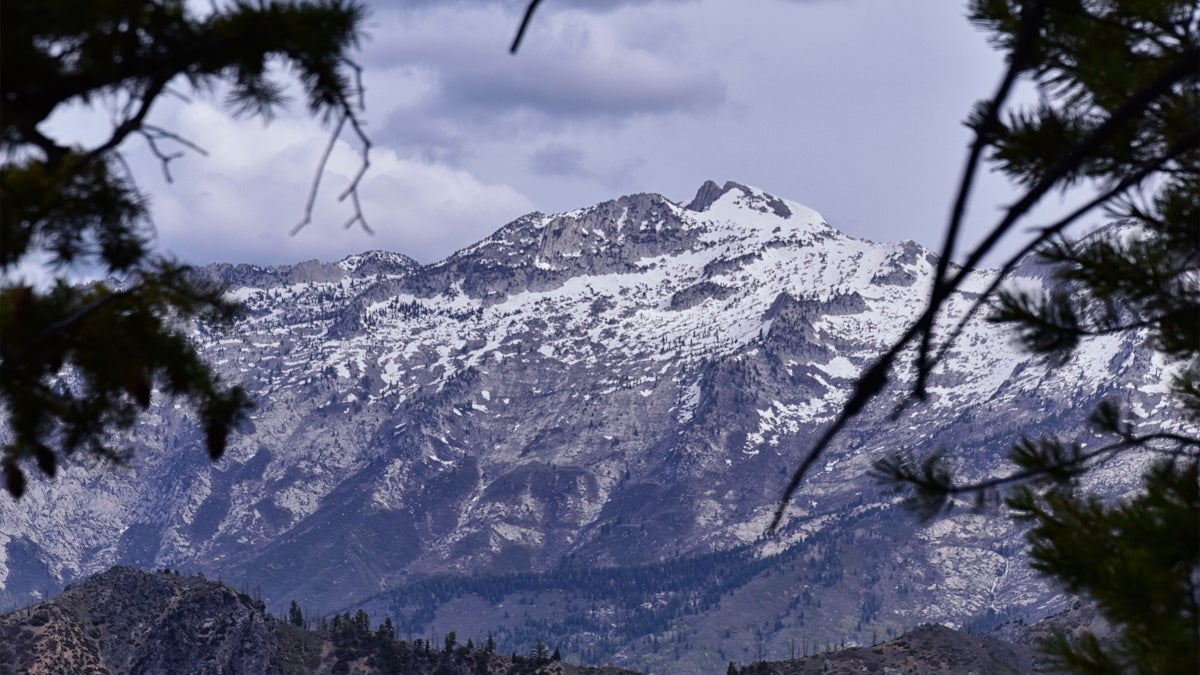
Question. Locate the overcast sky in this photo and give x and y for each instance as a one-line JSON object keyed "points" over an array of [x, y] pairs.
{"points": [[852, 107]]}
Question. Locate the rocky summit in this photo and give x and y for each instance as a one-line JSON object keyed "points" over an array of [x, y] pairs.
{"points": [[579, 427]]}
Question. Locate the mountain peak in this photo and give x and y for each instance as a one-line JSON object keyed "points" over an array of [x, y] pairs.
{"points": [[706, 195], [709, 193]]}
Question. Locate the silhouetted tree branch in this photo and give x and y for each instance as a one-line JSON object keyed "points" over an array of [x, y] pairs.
{"points": [[525, 19], [78, 363]]}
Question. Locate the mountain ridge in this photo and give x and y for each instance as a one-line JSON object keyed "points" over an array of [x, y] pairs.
{"points": [[624, 384]]}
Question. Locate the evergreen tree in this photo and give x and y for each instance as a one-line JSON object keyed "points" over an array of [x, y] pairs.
{"points": [[76, 206], [295, 616], [1118, 116], [386, 629], [361, 623], [1119, 85], [1136, 559]]}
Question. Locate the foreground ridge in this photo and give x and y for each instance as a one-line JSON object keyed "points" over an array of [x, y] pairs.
{"points": [[130, 621]]}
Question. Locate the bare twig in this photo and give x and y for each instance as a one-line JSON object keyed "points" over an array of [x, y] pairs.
{"points": [[352, 188], [163, 158], [153, 134], [529, 10], [358, 215], [159, 132], [316, 184]]}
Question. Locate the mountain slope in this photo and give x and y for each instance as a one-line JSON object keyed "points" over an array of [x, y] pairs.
{"points": [[623, 385], [129, 621], [927, 649]]}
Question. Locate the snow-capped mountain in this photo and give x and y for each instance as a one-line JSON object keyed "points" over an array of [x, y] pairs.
{"points": [[619, 386]]}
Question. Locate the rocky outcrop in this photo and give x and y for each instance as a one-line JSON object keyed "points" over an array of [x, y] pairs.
{"points": [[709, 193], [127, 621]]}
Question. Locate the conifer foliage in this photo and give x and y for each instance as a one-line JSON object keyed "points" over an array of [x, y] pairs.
{"points": [[78, 363], [1119, 116]]}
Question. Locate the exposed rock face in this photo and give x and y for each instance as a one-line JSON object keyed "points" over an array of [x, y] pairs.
{"points": [[627, 384], [127, 621], [709, 193]]}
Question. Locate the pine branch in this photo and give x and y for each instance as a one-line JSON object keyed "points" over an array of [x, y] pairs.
{"points": [[985, 127], [934, 484], [875, 378], [1183, 68], [134, 122], [1048, 232]]}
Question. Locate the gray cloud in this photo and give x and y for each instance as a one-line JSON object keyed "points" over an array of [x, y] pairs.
{"points": [[557, 159], [853, 107], [517, 7], [442, 87], [574, 89], [579, 69]]}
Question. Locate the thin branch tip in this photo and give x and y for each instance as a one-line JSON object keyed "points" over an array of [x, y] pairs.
{"points": [[529, 10]]}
